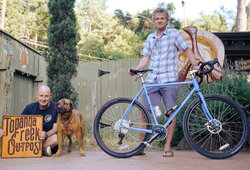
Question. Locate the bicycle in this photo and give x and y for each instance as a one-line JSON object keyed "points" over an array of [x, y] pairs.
{"points": [[215, 126]]}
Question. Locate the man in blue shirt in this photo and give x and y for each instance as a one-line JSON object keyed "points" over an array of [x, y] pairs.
{"points": [[47, 109], [161, 51]]}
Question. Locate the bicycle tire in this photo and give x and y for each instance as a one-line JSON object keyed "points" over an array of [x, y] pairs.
{"points": [[107, 131], [216, 143]]}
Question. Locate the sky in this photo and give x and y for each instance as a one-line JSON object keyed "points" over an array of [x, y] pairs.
{"points": [[192, 8]]}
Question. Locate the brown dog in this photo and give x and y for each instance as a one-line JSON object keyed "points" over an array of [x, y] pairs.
{"points": [[69, 121]]}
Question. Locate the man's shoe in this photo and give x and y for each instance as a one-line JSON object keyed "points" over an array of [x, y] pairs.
{"points": [[47, 151]]}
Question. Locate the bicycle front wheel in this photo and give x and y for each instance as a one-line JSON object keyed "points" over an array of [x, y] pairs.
{"points": [[221, 141], [112, 133]]}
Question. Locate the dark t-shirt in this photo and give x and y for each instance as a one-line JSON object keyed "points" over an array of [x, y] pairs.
{"points": [[49, 115]]}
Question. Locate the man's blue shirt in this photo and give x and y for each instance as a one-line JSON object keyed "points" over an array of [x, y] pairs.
{"points": [[163, 53], [49, 114]]}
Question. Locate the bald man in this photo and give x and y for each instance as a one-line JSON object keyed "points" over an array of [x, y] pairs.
{"points": [[47, 109]]}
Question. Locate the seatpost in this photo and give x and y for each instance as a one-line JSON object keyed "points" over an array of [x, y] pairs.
{"points": [[141, 77]]}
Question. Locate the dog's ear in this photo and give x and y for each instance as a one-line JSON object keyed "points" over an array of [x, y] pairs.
{"points": [[58, 102]]}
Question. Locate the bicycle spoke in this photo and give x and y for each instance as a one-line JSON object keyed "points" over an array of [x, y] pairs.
{"points": [[112, 133]]}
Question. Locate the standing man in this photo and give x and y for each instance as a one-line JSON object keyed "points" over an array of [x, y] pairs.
{"points": [[162, 50], [47, 109]]}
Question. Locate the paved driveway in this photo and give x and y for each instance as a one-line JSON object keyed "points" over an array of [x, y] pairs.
{"points": [[98, 160]]}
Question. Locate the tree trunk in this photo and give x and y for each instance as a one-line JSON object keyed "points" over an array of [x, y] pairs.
{"points": [[3, 14], [241, 19]]}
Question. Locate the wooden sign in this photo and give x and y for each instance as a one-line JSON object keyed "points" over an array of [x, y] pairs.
{"points": [[22, 136], [242, 65]]}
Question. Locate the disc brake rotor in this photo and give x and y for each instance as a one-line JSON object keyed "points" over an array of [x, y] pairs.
{"points": [[212, 128]]}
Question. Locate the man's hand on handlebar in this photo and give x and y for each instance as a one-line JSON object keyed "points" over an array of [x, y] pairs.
{"points": [[206, 68], [130, 73], [196, 67]]}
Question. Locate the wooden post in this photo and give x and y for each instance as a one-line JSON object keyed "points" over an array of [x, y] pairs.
{"points": [[3, 14], [94, 109]]}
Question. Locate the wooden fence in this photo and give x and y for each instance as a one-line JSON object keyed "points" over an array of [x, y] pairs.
{"points": [[94, 91]]}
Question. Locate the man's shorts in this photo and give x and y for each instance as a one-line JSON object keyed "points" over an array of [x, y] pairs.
{"points": [[169, 95]]}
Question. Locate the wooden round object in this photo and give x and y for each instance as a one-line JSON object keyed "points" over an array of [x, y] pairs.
{"points": [[209, 46]]}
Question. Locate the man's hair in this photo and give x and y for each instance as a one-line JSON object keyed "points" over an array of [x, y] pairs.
{"points": [[160, 10]]}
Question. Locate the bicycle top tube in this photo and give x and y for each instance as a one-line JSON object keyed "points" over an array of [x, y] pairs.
{"points": [[169, 84]]}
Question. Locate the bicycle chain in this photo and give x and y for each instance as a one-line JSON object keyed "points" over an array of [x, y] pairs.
{"points": [[163, 134]]}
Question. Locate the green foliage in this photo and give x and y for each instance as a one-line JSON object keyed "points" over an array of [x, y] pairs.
{"points": [[124, 20], [62, 56], [212, 23], [233, 85], [142, 23], [27, 20], [215, 22], [145, 23], [101, 35]]}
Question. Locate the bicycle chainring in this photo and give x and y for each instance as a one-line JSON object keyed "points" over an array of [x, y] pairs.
{"points": [[162, 132]]}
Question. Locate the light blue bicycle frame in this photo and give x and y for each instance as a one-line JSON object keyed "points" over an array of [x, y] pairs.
{"points": [[196, 88]]}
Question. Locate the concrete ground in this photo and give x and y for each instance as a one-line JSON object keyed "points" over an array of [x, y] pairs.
{"points": [[98, 160]]}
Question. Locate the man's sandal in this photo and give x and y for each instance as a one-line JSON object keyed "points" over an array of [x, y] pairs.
{"points": [[168, 153], [141, 154]]}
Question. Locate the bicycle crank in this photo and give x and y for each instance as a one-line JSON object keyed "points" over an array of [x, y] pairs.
{"points": [[161, 131]]}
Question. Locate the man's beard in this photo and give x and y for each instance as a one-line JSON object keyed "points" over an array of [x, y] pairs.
{"points": [[162, 28]]}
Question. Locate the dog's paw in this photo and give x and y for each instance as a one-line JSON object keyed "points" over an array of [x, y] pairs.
{"points": [[82, 154], [56, 155]]}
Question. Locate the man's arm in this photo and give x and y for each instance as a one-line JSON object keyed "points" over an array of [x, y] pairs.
{"points": [[143, 62], [191, 58], [52, 131]]}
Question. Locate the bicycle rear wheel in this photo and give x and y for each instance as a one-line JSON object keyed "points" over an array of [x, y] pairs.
{"points": [[114, 140], [220, 142]]}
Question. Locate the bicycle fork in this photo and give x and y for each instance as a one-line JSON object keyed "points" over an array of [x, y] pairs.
{"points": [[203, 104], [206, 110]]}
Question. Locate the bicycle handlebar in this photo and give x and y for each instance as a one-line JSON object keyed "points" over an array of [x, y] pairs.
{"points": [[202, 71], [139, 71], [199, 74]]}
